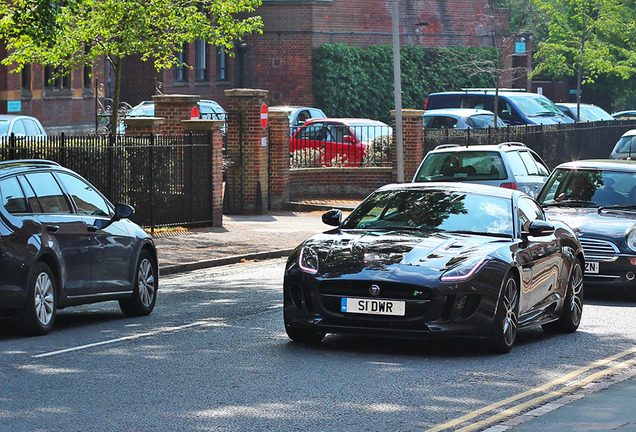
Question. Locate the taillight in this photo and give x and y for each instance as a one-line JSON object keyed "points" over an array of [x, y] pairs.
{"points": [[510, 185], [425, 104]]}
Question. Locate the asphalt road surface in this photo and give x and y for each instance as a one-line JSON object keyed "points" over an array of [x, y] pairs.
{"points": [[214, 356]]}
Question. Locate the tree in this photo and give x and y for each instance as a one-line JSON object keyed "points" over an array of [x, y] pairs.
{"points": [[71, 33], [586, 39]]}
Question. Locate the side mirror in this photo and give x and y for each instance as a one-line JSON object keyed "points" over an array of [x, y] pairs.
{"points": [[350, 139], [540, 228], [505, 115], [332, 217], [123, 211]]}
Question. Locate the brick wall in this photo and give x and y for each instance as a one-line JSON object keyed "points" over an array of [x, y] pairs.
{"points": [[174, 109], [351, 183]]}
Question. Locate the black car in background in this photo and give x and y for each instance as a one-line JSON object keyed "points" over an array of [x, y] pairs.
{"points": [[597, 198], [63, 244], [436, 259]]}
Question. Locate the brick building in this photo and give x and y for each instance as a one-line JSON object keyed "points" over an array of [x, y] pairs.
{"points": [[279, 60]]}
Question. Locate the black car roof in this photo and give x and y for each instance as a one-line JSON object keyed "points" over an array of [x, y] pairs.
{"points": [[21, 165], [603, 164], [455, 187]]}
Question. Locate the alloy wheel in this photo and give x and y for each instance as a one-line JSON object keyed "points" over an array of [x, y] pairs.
{"points": [[510, 300], [44, 298], [146, 282]]}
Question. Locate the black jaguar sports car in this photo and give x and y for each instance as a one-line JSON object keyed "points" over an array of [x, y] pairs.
{"points": [[440, 259]]}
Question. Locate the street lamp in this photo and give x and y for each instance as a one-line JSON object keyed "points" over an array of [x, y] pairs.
{"points": [[398, 90]]}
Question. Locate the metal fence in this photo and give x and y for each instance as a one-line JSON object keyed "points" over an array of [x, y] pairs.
{"points": [[554, 143], [324, 144], [168, 179]]}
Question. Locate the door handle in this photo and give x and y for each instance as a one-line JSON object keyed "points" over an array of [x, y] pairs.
{"points": [[52, 228]]}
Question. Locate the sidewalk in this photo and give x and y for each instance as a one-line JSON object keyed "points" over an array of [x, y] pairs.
{"points": [[273, 235]]}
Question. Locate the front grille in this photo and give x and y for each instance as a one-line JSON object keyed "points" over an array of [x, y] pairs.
{"points": [[390, 290], [599, 250]]}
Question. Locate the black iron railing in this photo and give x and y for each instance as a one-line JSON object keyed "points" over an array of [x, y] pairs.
{"points": [[168, 179]]}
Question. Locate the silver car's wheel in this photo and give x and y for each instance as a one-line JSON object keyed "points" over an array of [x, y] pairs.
{"points": [[144, 295], [504, 330], [38, 315]]}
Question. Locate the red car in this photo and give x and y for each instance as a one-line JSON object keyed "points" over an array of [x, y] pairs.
{"points": [[337, 141]]}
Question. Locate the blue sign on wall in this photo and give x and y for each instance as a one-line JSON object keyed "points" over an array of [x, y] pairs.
{"points": [[520, 47], [14, 106]]}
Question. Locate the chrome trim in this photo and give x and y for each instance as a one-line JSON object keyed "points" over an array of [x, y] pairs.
{"points": [[599, 250], [105, 294], [601, 276]]}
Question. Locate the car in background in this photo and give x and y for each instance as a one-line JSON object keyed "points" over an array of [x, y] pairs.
{"points": [[509, 165], [62, 243], [21, 127], [625, 147], [299, 114], [460, 118], [339, 141], [435, 260], [597, 198], [513, 107], [588, 112], [625, 115], [208, 109]]}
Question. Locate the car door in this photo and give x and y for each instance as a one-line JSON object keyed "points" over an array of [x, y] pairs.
{"points": [[540, 261], [67, 232], [111, 246]]}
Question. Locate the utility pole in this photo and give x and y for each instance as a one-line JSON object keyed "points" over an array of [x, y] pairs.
{"points": [[397, 79]]}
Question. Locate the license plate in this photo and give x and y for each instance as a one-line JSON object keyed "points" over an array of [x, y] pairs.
{"points": [[373, 306], [591, 267]]}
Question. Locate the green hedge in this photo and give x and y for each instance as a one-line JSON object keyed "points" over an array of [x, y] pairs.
{"points": [[358, 82]]}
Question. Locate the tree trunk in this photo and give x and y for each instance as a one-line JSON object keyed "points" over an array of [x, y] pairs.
{"points": [[114, 116]]}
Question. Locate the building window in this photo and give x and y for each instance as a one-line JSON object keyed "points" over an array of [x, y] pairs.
{"points": [[53, 80], [200, 60], [221, 64], [26, 77], [180, 69], [88, 70]]}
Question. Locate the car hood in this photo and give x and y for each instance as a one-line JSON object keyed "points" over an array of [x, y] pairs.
{"points": [[355, 251], [588, 222], [547, 120]]}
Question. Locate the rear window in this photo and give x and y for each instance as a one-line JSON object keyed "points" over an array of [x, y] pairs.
{"points": [[462, 166], [626, 144], [12, 196]]}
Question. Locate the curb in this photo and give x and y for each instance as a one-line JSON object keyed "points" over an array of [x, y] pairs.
{"points": [[216, 262]]}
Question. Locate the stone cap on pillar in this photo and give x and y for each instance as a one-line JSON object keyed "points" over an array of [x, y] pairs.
{"points": [[242, 92], [198, 125], [143, 122], [177, 98], [280, 111], [409, 113]]}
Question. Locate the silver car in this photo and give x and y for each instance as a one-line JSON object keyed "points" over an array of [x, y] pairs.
{"points": [[625, 147], [460, 118], [21, 126], [510, 165]]}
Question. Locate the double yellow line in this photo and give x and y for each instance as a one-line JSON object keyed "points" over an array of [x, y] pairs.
{"points": [[543, 393]]}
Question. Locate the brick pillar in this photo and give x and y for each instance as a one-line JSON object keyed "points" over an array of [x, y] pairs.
{"points": [[413, 147], [174, 109], [247, 153], [136, 126], [215, 127], [278, 158]]}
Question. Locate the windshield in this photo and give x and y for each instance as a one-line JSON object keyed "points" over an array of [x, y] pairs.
{"points": [[533, 106], [432, 209], [462, 166], [589, 188], [593, 113], [4, 127], [369, 131], [626, 144]]}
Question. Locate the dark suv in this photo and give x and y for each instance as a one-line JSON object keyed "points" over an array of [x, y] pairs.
{"points": [[63, 244]]}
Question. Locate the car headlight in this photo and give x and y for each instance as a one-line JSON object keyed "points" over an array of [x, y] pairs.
{"points": [[465, 270], [631, 238], [308, 260]]}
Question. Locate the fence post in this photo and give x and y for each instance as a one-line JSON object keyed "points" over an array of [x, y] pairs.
{"points": [[12, 146], [110, 149], [151, 188], [191, 164], [62, 149]]}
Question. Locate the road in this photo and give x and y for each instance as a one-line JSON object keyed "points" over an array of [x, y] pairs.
{"points": [[213, 356]]}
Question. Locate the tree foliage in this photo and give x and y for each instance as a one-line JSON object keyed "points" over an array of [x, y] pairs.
{"points": [[586, 39], [70, 33]]}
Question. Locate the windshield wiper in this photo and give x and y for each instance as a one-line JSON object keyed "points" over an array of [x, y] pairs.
{"points": [[482, 233], [571, 202], [618, 207]]}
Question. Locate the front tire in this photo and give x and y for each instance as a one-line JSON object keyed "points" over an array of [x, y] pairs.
{"points": [[504, 329], [38, 315], [572, 305], [144, 296]]}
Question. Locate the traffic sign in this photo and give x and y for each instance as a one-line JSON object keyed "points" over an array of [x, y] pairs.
{"points": [[264, 116], [194, 113]]}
